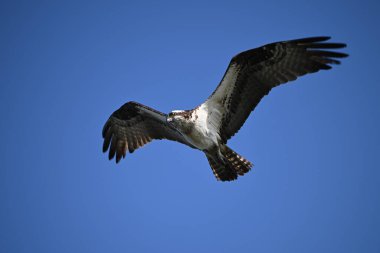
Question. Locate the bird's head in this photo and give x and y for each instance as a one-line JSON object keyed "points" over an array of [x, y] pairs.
{"points": [[178, 118], [175, 116]]}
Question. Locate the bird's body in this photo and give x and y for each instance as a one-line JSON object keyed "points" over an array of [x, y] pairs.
{"points": [[196, 128], [250, 76]]}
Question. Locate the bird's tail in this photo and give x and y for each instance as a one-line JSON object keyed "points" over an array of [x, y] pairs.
{"points": [[228, 165]]}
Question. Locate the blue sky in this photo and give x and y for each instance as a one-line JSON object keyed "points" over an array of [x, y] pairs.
{"points": [[66, 66]]}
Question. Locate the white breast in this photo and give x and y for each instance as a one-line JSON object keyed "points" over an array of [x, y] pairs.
{"points": [[205, 132]]}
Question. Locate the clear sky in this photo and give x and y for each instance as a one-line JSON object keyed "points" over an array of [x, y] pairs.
{"points": [[65, 66]]}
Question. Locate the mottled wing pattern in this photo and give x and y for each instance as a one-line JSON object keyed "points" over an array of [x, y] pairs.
{"points": [[253, 73], [132, 126]]}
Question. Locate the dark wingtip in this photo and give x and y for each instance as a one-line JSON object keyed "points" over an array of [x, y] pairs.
{"points": [[119, 152], [105, 128], [343, 55], [325, 45], [112, 151], [107, 139], [105, 147], [311, 39], [343, 45], [118, 157]]}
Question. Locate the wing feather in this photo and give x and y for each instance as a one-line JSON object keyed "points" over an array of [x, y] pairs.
{"points": [[252, 74], [132, 126]]}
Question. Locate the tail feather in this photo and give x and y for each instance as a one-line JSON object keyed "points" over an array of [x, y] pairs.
{"points": [[229, 165]]}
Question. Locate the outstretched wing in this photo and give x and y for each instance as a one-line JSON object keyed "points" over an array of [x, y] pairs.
{"points": [[253, 73], [132, 126]]}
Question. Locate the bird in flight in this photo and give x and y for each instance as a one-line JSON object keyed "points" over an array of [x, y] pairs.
{"points": [[249, 77]]}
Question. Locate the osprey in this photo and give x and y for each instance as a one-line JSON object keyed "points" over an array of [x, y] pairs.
{"points": [[249, 77]]}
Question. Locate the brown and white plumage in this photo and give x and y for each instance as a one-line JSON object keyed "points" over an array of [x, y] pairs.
{"points": [[249, 77], [132, 126], [253, 73]]}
